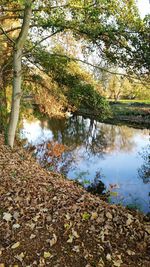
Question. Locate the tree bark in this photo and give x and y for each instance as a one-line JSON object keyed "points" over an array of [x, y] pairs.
{"points": [[17, 75]]}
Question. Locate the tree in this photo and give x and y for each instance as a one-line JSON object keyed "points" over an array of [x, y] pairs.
{"points": [[17, 59], [113, 28], [114, 89]]}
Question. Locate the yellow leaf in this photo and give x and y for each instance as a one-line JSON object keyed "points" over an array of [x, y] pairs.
{"points": [[47, 254], [15, 245], [94, 216], [2, 265]]}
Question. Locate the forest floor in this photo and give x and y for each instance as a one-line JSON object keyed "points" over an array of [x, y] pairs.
{"points": [[46, 220]]}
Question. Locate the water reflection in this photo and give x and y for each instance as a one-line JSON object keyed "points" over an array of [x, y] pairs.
{"points": [[144, 170], [93, 147]]}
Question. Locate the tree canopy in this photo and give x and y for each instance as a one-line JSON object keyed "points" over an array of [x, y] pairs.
{"points": [[111, 32]]}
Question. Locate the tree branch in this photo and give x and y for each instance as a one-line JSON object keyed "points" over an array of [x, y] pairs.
{"points": [[25, 26], [39, 42], [101, 68], [3, 31]]}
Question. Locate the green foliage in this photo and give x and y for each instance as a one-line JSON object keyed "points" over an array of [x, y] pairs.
{"points": [[85, 216], [77, 85], [125, 88], [84, 96]]}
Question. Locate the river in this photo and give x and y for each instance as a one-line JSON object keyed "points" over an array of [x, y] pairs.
{"points": [[102, 157]]}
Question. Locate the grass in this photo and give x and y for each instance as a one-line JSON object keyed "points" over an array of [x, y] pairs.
{"points": [[132, 111], [134, 101]]}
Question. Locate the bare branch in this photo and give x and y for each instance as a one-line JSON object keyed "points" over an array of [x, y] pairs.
{"points": [[39, 42], [3, 31], [101, 68]]}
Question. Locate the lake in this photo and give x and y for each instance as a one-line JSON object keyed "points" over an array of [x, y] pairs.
{"points": [[102, 157]]}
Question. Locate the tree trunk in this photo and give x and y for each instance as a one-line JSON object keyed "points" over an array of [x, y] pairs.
{"points": [[17, 59], [16, 96]]}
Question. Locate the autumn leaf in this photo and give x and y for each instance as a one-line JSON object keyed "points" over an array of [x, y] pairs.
{"points": [[85, 216], [94, 216], [7, 216], [47, 255], [75, 234], [16, 226], [70, 240], [53, 241], [15, 245], [20, 256]]}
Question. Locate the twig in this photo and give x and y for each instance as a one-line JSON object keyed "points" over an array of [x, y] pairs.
{"points": [[3, 31]]}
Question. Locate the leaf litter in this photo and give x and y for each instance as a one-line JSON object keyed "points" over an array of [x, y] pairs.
{"points": [[46, 220]]}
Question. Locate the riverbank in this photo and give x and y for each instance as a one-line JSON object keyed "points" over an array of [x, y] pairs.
{"points": [[131, 113], [46, 220]]}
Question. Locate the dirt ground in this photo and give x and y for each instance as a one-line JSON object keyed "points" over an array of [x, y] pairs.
{"points": [[46, 220]]}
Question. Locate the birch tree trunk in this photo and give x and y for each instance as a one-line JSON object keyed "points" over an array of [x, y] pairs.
{"points": [[17, 68]]}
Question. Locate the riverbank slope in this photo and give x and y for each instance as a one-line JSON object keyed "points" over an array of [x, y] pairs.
{"points": [[48, 221], [128, 112]]}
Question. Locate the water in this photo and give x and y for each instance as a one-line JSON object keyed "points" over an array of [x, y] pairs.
{"points": [[98, 155]]}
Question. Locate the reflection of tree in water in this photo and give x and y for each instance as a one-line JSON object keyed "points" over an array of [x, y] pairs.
{"points": [[89, 136], [94, 136], [144, 170], [77, 132]]}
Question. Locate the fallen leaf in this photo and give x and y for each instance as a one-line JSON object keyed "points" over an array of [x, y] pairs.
{"points": [[16, 215], [16, 226], [130, 252], [67, 216], [109, 215], [7, 216], [75, 234], [53, 240], [32, 236], [101, 263], [94, 216], [47, 255], [32, 226], [108, 257], [147, 228], [15, 245], [85, 216], [68, 225], [76, 249], [129, 221], [35, 219], [70, 240], [117, 263], [20, 256]]}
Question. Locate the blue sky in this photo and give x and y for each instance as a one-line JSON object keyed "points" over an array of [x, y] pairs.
{"points": [[144, 7]]}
